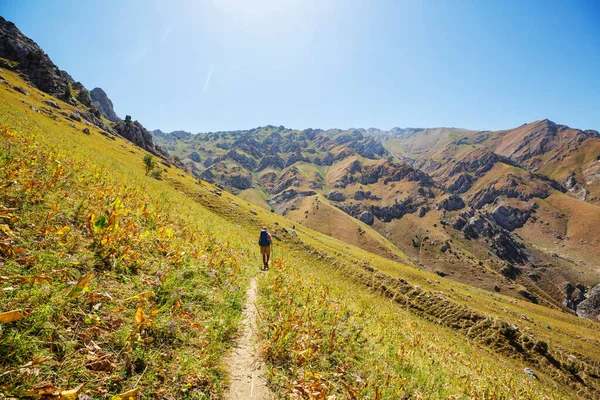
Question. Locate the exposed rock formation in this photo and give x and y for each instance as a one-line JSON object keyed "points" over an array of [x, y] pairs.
{"points": [[590, 307], [336, 196], [510, 218], [104, 104], [288, 195], [451, 203], [32, 61], [137, 134]]}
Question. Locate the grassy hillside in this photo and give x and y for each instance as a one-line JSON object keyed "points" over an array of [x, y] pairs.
{"points": [[113, 282]]}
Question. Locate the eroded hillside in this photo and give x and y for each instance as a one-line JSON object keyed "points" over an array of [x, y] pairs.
{"points": [[461, 203]]}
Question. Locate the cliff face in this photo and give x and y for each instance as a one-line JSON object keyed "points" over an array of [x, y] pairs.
{"points": [[25, 56], [31, 60], [104, 104]]}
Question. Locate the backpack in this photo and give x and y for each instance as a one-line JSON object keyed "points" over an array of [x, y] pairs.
{"points": [[264, 239]]}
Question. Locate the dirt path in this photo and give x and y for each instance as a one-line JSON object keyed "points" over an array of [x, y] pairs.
{"points": [[247, 371]]}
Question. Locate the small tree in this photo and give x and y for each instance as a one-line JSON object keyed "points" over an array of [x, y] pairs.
{"points": [[149, 163]]}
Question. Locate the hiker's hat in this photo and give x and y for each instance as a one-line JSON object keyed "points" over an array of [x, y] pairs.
{"points": [[264, 227]]}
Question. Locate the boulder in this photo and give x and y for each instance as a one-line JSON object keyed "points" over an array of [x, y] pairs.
{"points": [[21, 90], [529, 372], [53, 104], [75, 116]]}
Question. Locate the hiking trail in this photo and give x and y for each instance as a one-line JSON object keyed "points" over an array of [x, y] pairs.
{"points": [[246, 369]]}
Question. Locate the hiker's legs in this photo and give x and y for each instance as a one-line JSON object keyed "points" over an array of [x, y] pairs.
{"points": [[268, 252], [264, 250]]}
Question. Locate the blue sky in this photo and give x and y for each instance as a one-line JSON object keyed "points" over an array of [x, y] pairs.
{"points": [[236, 64]]}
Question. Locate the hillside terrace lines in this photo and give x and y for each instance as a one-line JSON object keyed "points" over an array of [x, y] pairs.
{"points": [[505, 338]]}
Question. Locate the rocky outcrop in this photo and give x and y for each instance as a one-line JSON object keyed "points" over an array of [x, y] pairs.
{"points": [[369, 148], [288, 179], [451, 203], [194, 156], [367, 217], [208, 175], [268, 181], [328, 159], [590, 307], [289, 195], [271, 160], [137, 134], [294, 158], [104, 104], [241, 182], [482, 225], [523, 188], [181, 135], [574, 294], [388, 172], [242, 159], [191, 168], [84, 95], [510, 218], [33, 63], [336, 196], [365, 195], [461, 183], [383, 213]]}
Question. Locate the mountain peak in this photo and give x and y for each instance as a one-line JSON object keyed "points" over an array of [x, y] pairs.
{"points": [[101, 100]]}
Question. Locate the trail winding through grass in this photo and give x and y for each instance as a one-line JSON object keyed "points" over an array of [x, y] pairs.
{"points": [[247, 370]]}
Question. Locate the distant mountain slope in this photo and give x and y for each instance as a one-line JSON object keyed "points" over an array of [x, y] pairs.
{"points": [[571, 156], [443, 196]]}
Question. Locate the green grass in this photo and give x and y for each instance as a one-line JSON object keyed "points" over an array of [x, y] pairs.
{"points": [[327, 336]]}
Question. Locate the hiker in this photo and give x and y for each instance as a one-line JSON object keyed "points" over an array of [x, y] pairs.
{"points": [[264, 242]]}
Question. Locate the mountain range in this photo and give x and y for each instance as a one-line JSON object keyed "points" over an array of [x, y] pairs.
{"points": [[514, 211]]}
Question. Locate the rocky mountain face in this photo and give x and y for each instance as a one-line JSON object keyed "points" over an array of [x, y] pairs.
{"points": [[459, 202], [27, 57], [100, 99], [20, 53]]}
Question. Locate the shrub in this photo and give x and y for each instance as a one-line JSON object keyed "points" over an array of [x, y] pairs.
{"points": [[156, 174], [541, 347], [149, 163]]}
